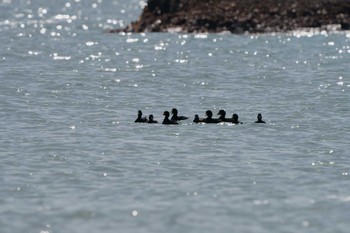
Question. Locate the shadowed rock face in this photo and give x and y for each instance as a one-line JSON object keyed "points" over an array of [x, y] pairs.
{"points": [[240, 16]]}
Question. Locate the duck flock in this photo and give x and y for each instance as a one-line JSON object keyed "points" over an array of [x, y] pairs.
{"points": [[175, 118]]}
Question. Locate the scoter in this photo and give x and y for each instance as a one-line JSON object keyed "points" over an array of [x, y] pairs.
{"points": [[166, 120], [235, 120], [140, 119], [151, 120], [175, 117], [197, 119], [222, 117], [260, 119], [210, 118]]}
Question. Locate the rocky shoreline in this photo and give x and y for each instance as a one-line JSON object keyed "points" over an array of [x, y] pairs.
{"points": [[240, 16]]}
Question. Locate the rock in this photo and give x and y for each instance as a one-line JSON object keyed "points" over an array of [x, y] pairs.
{"points": [[240, 16], [159, 7]]}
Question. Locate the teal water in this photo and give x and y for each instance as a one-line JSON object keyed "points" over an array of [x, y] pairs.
{"points": [[72, 160]]}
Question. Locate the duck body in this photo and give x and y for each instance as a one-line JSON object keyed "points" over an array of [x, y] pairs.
{"points": [[211, 121], [260, 121], [178, 118], [152, 122], [167, 121]]}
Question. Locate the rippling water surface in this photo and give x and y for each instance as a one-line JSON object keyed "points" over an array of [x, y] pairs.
{"points": [[72, 160]]}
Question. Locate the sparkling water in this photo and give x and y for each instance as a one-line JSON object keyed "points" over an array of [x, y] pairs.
{"points": [[73, 160]]}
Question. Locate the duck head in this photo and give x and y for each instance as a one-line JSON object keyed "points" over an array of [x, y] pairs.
{"points": [[209, 114], [222, 113], [174, 111], [166, 114]]}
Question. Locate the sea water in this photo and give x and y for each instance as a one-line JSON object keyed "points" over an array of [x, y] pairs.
{"points": [[73, 160]]}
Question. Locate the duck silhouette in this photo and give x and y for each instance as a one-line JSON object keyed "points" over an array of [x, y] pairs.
{"points": [[197, 119], [175, 117], [151, 120], [259, 119], [210, 119], [222, 117], [235, 120], [139, 118], [166, 120]]}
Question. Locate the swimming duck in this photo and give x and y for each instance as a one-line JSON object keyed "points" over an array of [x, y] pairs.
{"points": [[260, 119], [197, 119], [235, 120], [166, 120], [151, 120], [140, 119], [175, 117], [222, 117], [209, 118]]}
